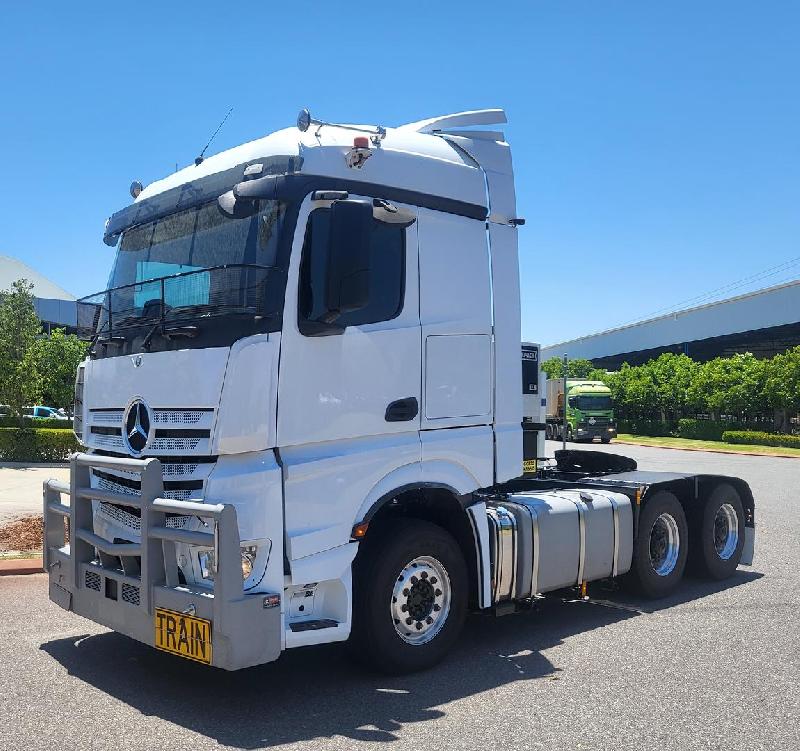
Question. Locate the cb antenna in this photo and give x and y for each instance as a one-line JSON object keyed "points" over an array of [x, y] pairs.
{"points": [[199, 160]]}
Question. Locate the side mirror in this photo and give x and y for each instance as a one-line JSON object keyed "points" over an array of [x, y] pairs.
{"points": [[348, 258]]}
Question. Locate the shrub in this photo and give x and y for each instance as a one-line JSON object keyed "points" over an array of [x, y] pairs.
{"points": [[704, 430], [36, 445], [643, 426], [6, 421], [758, 438]]}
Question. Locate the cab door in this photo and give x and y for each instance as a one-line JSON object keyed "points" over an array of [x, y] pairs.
{"points": [[348, 399]]}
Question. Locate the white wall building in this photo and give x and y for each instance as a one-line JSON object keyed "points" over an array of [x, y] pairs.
{"points": [[764, 322]]}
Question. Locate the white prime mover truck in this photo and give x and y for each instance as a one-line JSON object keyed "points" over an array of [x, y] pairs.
{"points": [[302, 414]]}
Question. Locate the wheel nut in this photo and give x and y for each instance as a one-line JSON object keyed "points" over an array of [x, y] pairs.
{"points": [[405, 592], [404, 608], [438, 592], [424, 575], [434, 580], [429, 620], [436, 608], [414, 580], [419, 626], [409, 621]]}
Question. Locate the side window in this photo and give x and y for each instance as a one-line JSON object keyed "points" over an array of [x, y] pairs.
{"points": [[386, 276]]}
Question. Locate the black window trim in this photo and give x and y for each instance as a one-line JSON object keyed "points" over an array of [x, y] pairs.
{"points": [[314, 328]]}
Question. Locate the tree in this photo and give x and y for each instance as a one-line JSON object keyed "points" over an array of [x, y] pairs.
{"points": [[57, 360], [782, 386], [19, 326], [730, 385], [671, 375], [554, 367]]}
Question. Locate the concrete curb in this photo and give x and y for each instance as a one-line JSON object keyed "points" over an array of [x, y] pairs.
{"points": [[624, 442], [17, 566]]}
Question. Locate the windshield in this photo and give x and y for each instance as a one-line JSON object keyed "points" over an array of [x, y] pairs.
{"points": [[192, 264], [590, 403]]}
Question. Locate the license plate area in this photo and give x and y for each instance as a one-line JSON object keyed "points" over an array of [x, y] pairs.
{"points": [[183, 634]]}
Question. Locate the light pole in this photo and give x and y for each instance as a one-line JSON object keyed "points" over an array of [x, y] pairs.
{"points": [[564, 402]]}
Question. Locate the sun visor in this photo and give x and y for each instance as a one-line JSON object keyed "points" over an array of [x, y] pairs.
{"points": [[195, 193]]}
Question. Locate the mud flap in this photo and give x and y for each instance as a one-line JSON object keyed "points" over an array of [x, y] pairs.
{"points": [[60, 596]]}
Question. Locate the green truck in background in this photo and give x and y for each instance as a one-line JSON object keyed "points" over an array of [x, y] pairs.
{"points": [[590, 411]]}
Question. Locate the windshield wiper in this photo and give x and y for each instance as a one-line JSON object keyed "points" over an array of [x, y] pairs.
{"points": [[186, 331]]}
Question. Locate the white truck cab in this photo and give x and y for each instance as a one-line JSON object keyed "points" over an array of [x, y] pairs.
{"points": [[303, 407]]}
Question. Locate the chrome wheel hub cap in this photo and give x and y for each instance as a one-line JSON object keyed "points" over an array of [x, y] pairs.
{"points": [[420, 600], [726, 531], [664, 545]]}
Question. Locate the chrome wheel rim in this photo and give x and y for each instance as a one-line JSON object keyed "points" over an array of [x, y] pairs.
{"points": [[420, 600], [665, 545], [726, 531]]}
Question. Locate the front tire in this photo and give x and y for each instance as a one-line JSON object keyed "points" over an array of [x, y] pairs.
{"points": [[409, 596], [661, 546], [719, 540]]}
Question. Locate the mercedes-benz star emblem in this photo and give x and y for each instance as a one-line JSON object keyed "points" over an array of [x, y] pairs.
{"points": [[137, 361], [137, 426]]}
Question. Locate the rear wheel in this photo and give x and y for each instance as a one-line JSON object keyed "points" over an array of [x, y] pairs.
{"points": [[409, 596], [719, 540], [660, 549]]}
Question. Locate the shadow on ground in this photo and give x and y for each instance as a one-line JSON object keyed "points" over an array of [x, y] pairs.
{"points": [[317, 692]]}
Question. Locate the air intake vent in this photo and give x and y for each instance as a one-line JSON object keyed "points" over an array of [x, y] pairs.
{"points": [[92, 580]]}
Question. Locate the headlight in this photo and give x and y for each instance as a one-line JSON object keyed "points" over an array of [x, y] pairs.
{"points": [[208, 562]]}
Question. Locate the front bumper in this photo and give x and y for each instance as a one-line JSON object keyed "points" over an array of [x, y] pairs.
{"points": [[590, 433], [246, 628]]}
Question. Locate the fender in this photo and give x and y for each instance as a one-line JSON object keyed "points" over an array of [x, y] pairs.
{"points": [[449, 476]]}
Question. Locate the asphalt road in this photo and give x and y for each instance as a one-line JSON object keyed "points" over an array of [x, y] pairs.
{"points": [[715, 667]]}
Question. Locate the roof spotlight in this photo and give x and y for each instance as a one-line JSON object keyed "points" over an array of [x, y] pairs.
{"points": [[136, 189], [303, 120]]}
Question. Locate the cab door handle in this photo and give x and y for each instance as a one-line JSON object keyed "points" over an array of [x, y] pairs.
{"points": [[402, 410]]}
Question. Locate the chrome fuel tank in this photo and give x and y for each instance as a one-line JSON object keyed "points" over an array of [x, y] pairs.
{"points": [[540, 542]]}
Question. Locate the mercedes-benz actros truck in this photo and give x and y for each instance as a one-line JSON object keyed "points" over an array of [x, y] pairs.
{"points": [[302, 414]]}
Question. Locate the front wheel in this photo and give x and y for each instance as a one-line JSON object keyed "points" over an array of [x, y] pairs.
{"points": [[409, 596], [661, 546]]}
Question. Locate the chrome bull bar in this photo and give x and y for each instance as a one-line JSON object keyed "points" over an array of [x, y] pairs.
{"points": [[246, 627]]}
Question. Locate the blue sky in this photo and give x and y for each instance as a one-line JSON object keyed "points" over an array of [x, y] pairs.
{"points": [[656, 145]]}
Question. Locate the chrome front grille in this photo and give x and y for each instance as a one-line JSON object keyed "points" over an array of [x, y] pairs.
{"points": [[134, 522], [178, 417], [171, 445], [183, 481], [180, 430]]}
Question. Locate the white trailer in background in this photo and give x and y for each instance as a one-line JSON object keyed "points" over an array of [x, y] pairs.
{"points": [[304, 421]]}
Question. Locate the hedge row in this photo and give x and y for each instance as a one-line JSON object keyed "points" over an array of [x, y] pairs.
{"points": [[704, 430], [758, 438], [36, 445], [13, 422], [655, 428]]}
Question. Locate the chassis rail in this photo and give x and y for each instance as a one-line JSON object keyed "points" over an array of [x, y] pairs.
{"points": [[126, 603]]}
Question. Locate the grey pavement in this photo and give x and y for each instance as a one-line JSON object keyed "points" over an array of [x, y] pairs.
{"points": [[716, 666], [21, 488]]}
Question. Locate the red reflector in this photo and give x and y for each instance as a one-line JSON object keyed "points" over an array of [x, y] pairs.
{"points": [[361, 142]]}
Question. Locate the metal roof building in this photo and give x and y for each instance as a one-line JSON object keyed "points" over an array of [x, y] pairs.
{"points": [[764, 322], [55, 306]]}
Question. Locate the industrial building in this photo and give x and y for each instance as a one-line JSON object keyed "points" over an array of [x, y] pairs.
{"points": [[764, 322], [55, 306]]}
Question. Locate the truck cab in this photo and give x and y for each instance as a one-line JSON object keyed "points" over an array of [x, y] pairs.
{"points": [[590, 410], [303, 406]]}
